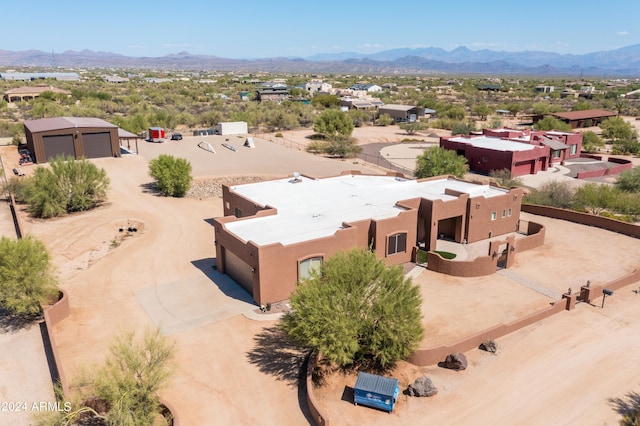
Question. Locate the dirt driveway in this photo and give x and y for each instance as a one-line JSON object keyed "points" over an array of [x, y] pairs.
{"points": [[233, 370]]}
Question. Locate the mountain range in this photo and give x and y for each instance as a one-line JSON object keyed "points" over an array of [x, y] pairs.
{"points": [[622, 62]]}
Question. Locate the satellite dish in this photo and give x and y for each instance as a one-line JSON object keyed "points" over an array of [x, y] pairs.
{"points": [[296, 175]]}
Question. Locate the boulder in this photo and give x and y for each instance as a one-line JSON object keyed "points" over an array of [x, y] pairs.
{"points": [[423, 386], [456, 361], [489, 346]]}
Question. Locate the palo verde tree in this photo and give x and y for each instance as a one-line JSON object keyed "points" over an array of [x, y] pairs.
{"points": [[437, 161], [172, 175], [552, 123], [333, 123], [67, 186], [356, 312], [26, 276]]}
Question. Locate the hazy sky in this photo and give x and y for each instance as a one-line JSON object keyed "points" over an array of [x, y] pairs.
{"points": [[258, 29]]}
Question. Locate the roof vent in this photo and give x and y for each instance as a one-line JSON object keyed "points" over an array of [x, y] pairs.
{"points": [[296, 178]]}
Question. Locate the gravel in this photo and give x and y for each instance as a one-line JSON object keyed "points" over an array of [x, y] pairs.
{"points": [[207, 188]]}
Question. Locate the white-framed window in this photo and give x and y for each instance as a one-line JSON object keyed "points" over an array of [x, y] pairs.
{"points": [[227, 205], [494, 215], [397, 243], [556, 153], [509, 212], [307, 266], [504, 213], [574, 149]]}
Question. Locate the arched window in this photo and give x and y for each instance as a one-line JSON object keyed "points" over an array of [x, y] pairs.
{"points": [[307, 266]]}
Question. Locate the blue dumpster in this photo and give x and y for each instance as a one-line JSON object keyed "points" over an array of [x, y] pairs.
{"points": [[375, 391]]}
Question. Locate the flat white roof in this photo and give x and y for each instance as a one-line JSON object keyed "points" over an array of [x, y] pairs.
{"points": [[313, 209], [497, 144]]}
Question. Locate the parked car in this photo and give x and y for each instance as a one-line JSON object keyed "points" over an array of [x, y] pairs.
{"points": [[176, 136]]}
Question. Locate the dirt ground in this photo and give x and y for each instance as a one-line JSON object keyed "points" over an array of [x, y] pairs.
{"points": [[237, 371]]}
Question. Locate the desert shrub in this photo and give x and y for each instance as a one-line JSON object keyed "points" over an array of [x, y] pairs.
{"points": [[503, 178], [67, 186], [26, 276], [172, 175], [384, 120]]}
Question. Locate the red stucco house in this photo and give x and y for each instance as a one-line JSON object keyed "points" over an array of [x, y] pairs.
{"points": [[521, 152]]}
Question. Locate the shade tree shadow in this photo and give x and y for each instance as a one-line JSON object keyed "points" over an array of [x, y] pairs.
{"points": [[10, 322], [275, 354], [627, 405]]}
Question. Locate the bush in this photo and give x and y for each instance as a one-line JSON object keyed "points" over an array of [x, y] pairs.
{"points": [[26, 276], [67, 186], [172, 175]]}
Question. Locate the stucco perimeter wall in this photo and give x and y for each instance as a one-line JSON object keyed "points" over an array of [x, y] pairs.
{"points": [[588, 294], [477, 267], [318, 417], [625, 228], [535, 238], [431, 356], [606, 171], [53, 315]]}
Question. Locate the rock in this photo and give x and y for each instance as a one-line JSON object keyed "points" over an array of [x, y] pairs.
{"points": [[456, 361], [489, 346], [423, 386]]}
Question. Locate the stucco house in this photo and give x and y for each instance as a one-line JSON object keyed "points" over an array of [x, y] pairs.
{"points": [[521, 152], [274, 233]]}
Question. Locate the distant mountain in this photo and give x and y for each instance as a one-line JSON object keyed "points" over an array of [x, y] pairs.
{"points": [[623, 62]]}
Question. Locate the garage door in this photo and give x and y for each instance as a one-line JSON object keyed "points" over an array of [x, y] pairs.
{"points": [[96, 145], [524, 168], [238, 270], [55, 146]]}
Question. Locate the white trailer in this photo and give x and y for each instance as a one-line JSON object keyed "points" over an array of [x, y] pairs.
{"points": [[233, 128]]}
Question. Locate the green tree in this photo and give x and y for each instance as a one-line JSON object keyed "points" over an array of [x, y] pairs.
{"points": [[133, 374], [437, 161], [581, 106], [629, 180], [504, 179], [384, 120], [591, 141], [552, 123], [67, 186], [481, 110], [333, 123], [325, 100], [356, 312], [553, 193], [342, 147], [454, 113], [595, 198], [616, 129], [413, 128], [359, 117], [26, 276], [172, 175], [462, 128]]}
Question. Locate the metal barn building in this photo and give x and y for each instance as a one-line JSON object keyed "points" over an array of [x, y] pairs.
{"points": [[77, 137]]}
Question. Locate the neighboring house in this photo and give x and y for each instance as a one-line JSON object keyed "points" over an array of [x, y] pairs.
{"points": [[272, 94], [32, 76], [365, 87], [586, 118], [318, 86], [361, 103], [522, 152], [75, 137], [116, 79], [544, 89], [274, 233], [402, 113], [26, 93]]}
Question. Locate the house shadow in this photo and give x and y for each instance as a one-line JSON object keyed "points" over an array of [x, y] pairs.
{"points": [[228, 286], [209, 221], [276, 355]]}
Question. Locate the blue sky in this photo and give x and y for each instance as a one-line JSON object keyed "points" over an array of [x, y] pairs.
{"points": [[258, 29]]}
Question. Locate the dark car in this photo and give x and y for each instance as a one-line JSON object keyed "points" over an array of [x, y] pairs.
{"points": [[176, 137]]}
